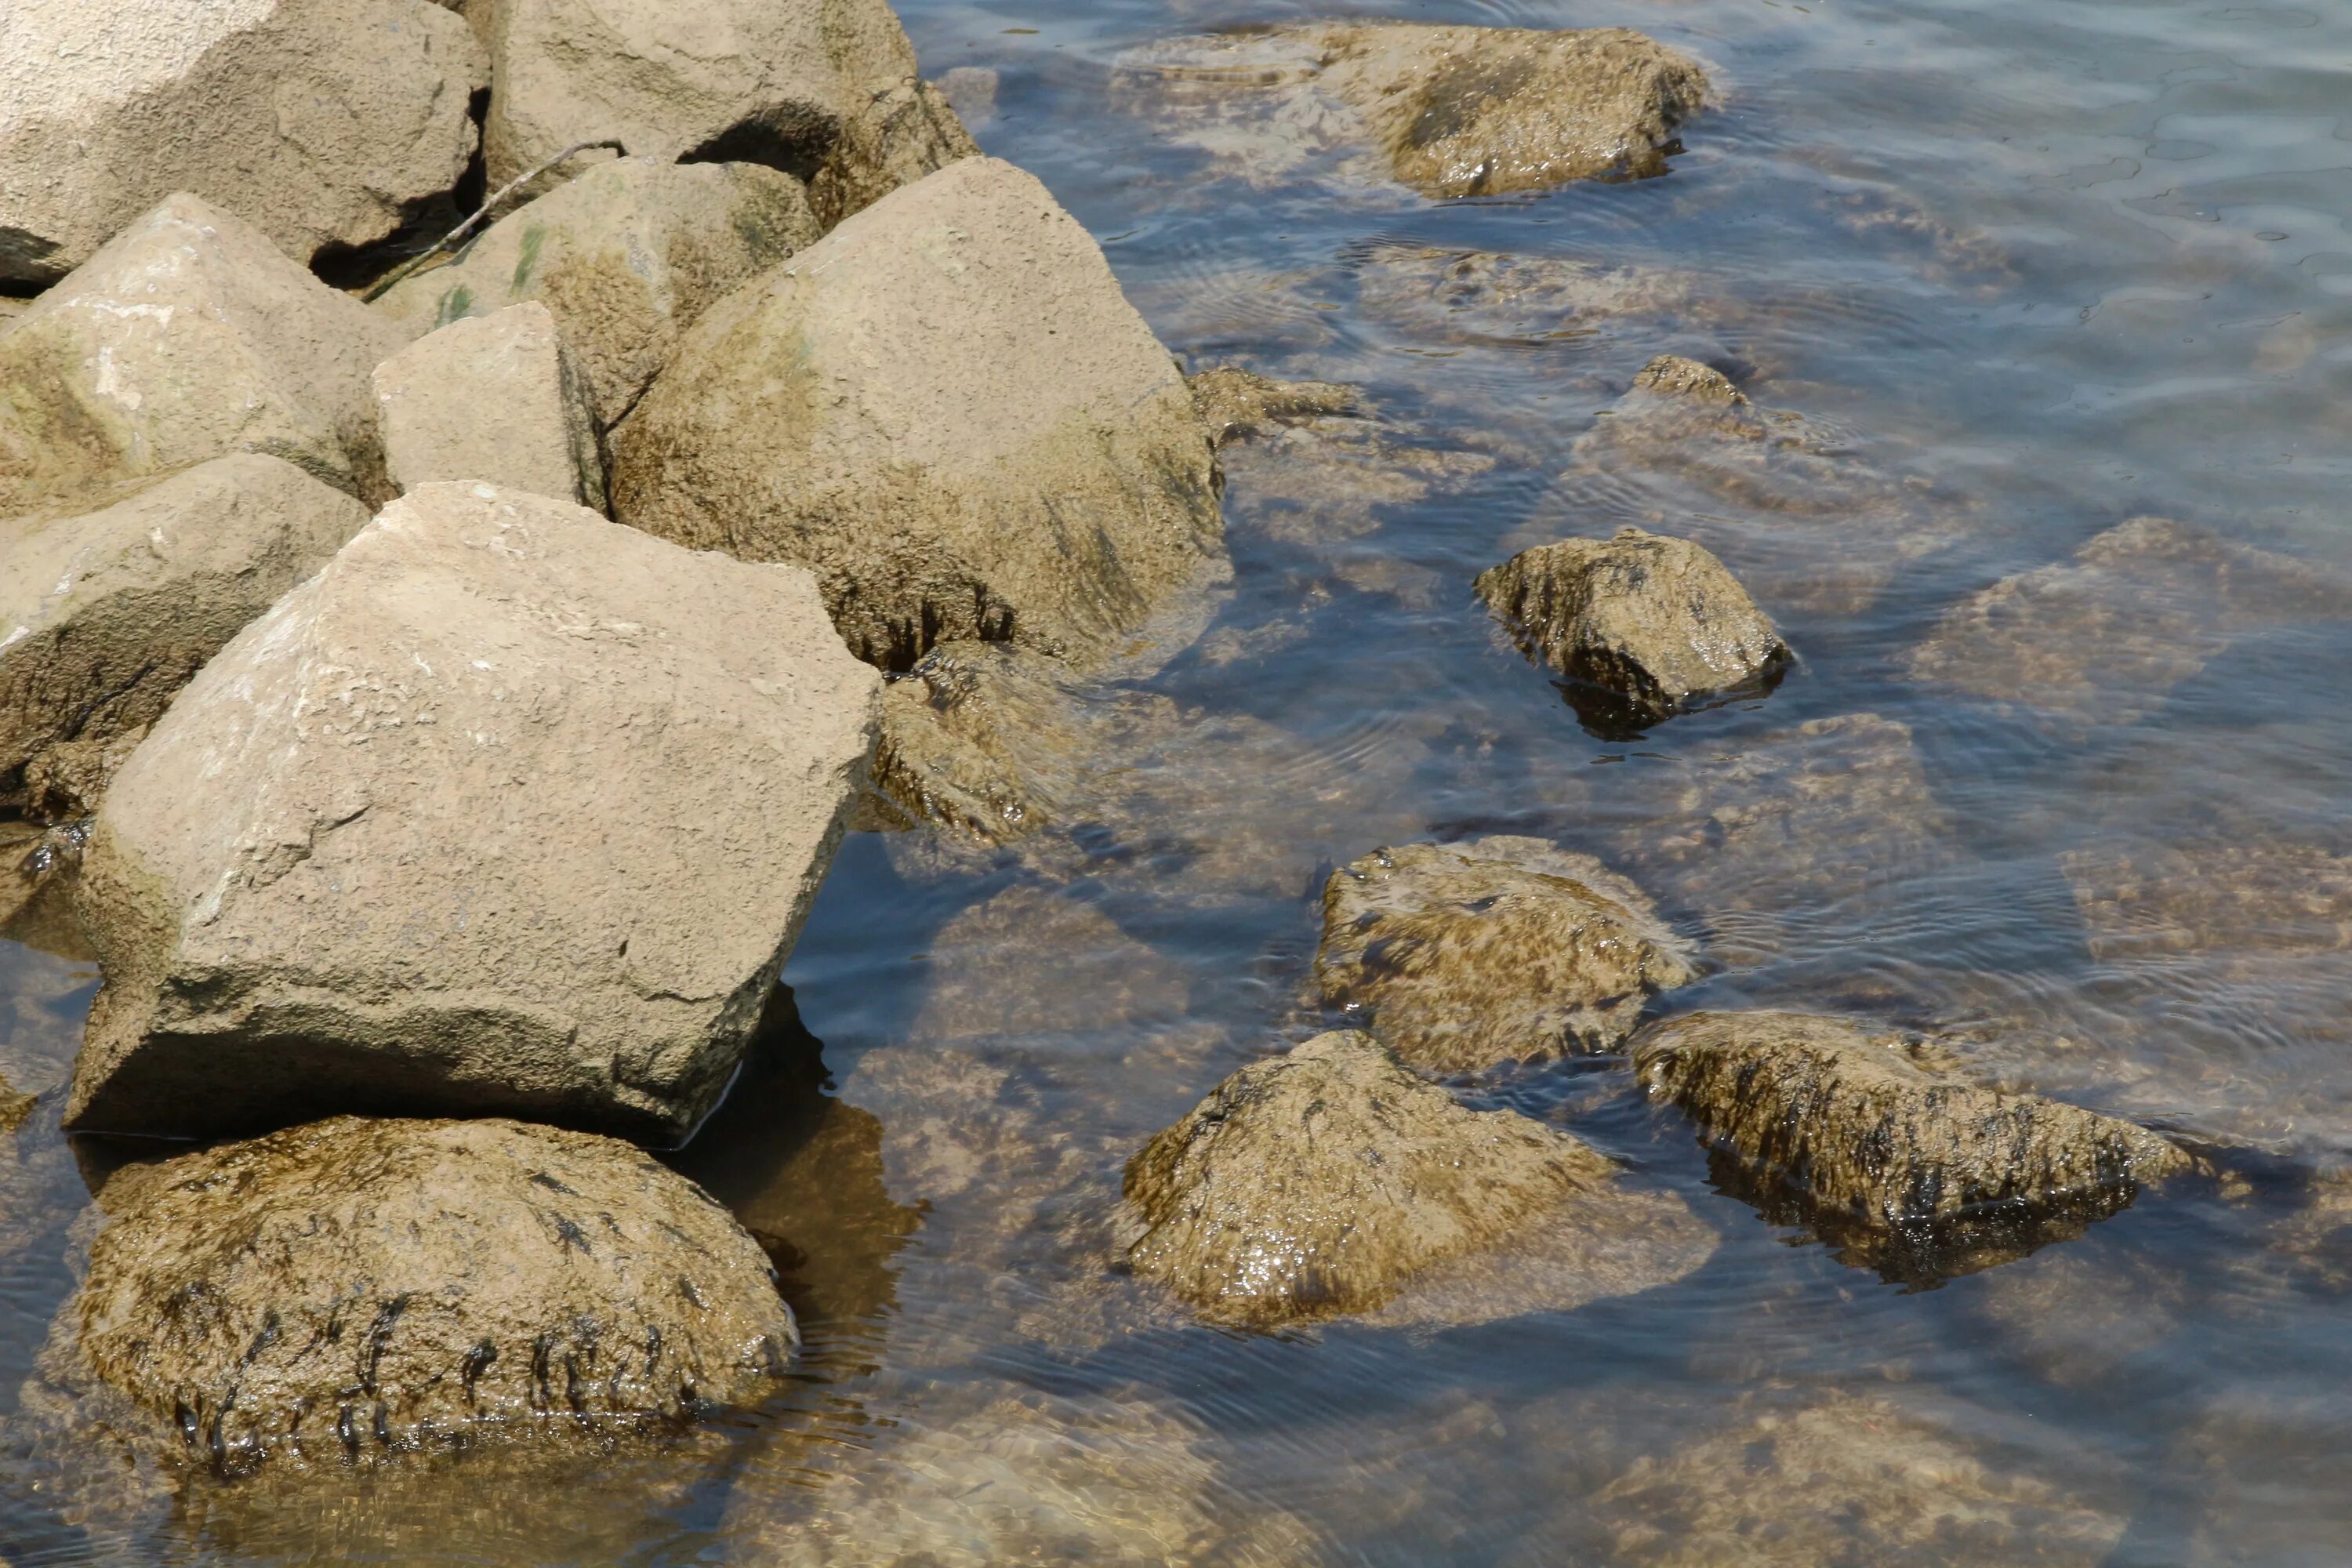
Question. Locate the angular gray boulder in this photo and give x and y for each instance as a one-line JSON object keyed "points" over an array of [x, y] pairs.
{"points": [[947, 410], [509, 810], [187, 338], [1331, 1182], [321, 122], [824, 89], [497, 399], [104, 616], [625, 257], [1656, 623], [1865, 1133], [352, 1289], [1463, 956]]}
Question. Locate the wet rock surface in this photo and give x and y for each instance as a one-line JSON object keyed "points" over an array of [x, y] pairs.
{"points": [[1869, 1136], [824, 89], [885, 410], [358, 1287], [188, 337], [497, 399], [625, 257], [105, 615], [599, 810], [1236, 405], [1462, 956], [1325, 1182], [1652, 625], [319, 122]]}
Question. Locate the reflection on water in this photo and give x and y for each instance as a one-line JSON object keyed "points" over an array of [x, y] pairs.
{"points": [[2062, 788]]}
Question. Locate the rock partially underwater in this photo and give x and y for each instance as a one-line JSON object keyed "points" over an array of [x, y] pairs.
{"points": [[1910, 1169], [1461, 956], [1332, 1181]]}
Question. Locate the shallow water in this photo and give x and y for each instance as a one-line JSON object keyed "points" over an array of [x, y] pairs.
{"points": [[2011, 274]]}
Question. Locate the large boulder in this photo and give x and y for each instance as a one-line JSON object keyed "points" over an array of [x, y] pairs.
{"points": [[1654, 625], [509, 810], [188, 337], [625, 256], [1871, 1137], [321, 122], [1330, 1181], [824, 89], [103, 617], [947, 410], [1462, 956], [497, 399], [356, 1287]]}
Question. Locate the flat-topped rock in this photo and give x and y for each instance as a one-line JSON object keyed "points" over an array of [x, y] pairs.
{"points": [[321, 122], [497, 399], [356, 1288], [501, 812], [949, 412], [1462, 956], [1331, 1180], [626, 257], [188, 337], [103, 617]]}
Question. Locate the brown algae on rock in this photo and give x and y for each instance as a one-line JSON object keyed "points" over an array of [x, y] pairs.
{"points": [[1461, 956]]}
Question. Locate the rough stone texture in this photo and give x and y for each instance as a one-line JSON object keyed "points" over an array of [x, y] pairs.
{"points": [[188, 337], [362, 1286], [1236, 404], [1462, 956], [977, 739], [1864, 1135], [104, 617], [947, 410], [497, 399], [824, 89], [320, 121], [1452, 111], [1322, 1183], [504, 811], [1655, 622], [626, 257], [2103, 639]]}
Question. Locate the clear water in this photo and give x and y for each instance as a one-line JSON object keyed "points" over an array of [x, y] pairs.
{"points": [[2029, 268]]}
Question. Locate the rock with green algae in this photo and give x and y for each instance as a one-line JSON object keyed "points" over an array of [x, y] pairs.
{"points": [[1459, 957]]}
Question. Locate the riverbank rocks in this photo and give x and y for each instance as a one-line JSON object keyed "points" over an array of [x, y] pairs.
{"points": [[505, 812], [187, 338], [626, 257], [2105, 636], [321, 122], [104, 616], [824, 89], [1654, 625], [947, 410], [1866, 1133], [497, 399], [1236, 404], [360, 1288], [1326, 1181], [1462, 956]]}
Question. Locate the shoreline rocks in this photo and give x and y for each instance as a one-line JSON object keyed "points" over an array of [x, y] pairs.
{"points": [[497, 399], [502, 812]]}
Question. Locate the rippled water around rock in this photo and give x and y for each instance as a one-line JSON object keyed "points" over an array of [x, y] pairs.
{"points": [[1997, 280]]}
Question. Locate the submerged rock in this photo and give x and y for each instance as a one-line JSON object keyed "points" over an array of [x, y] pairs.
{"points": [[321, 122], [947, 410], [824, 89], [626, 257], [187, 338], [1865, 1136], [1461, 956], [497, 399], [1655, 625], [2105, 637], [103, 617], [1331, 1180], [1030, 961], [361, 1288], [502, 812], [1236, 404]]}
